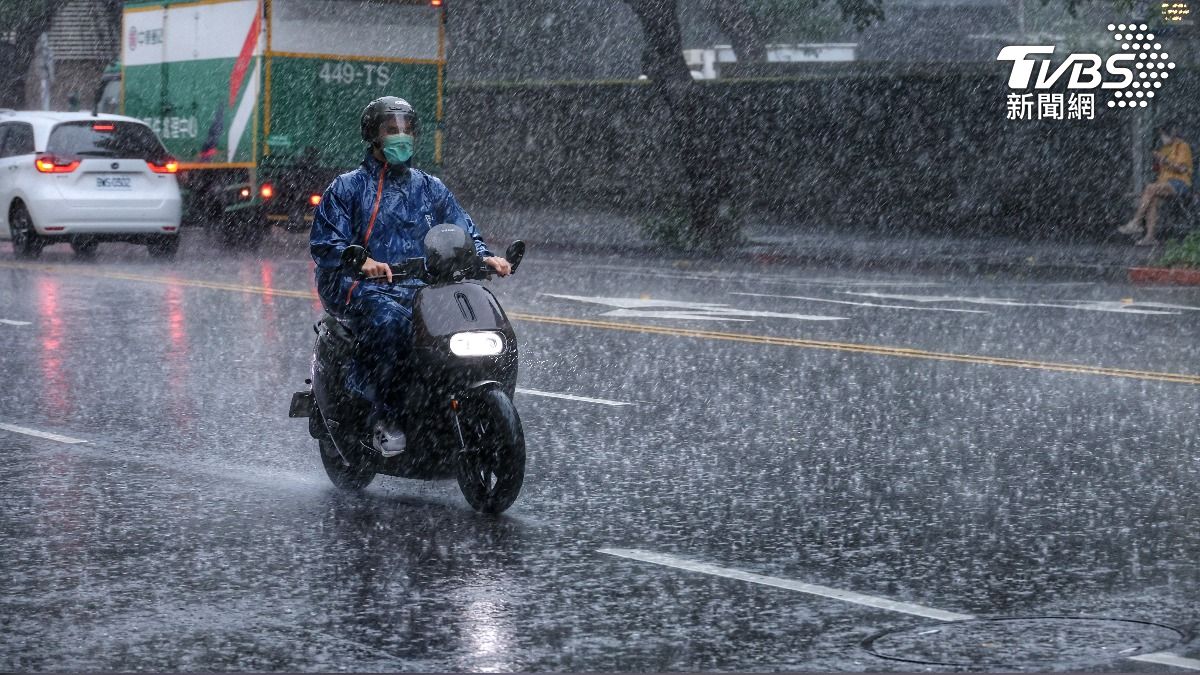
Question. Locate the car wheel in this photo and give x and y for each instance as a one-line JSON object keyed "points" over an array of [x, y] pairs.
{"points": [[84, 247], [25, 240], [164, 247]]}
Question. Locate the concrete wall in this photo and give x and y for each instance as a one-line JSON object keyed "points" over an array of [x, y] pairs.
{"points": [[928, 150], [547, 40]]}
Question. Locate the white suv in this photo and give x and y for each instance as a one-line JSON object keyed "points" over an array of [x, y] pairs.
{"points": [[81, 178]]}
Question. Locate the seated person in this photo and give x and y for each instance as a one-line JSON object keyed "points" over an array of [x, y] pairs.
{"points": [[1173, 179]]}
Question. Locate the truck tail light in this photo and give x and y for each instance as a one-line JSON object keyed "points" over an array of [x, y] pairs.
{"points": [[267, 191], [168, 165], [52, 164]]}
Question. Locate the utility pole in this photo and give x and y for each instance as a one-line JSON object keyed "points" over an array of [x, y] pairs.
{"points": [[45, 69]]}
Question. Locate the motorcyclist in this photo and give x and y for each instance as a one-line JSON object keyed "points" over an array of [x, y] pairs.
{"points": [[385, 206]]}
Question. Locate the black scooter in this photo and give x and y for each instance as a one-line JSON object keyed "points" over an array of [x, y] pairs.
{"points": [[460, 379]]}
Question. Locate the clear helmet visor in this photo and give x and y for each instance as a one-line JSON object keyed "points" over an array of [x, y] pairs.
{"points": [[396, 123]]}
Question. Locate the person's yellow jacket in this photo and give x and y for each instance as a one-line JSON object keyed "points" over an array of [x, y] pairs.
{"points": [[1180, 154]]}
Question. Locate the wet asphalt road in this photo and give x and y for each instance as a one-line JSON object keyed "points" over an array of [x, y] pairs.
{"points": [[1034, 456]]}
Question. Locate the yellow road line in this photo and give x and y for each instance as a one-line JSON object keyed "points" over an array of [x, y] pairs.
{"points": [[878, 350]]}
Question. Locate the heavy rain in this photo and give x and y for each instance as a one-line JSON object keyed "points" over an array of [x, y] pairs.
{"points": [[599, 335]]}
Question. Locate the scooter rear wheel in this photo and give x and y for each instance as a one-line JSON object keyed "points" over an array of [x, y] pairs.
{"points": [[491, 469]]}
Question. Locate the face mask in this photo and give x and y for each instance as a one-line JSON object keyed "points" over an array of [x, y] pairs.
{"points": [[397, 148]]}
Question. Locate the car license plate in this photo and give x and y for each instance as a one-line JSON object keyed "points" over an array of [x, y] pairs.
{"points": [[114, 182]]}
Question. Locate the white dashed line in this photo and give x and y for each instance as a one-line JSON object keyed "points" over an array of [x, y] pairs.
{"points": [[789, 584], [10, 322], [1168, 659], [571, 397], [40, 434]]}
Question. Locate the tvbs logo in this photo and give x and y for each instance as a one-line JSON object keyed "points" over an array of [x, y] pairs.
{"points": [[1084, 69], [1132, 75]]}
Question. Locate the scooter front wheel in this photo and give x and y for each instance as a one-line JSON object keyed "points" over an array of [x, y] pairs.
{"points": [[491, 469], [343, 475]]}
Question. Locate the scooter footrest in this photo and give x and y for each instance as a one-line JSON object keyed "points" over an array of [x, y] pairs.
{"points": [[302, 404]]}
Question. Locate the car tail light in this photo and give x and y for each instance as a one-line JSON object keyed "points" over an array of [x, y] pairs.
{"points": [[52, 164], [103, 127], [168, 165], [315, 200], [266, 191]]}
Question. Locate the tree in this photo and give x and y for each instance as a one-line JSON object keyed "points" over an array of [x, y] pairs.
{"points": [[692, 113], [751, 24], [671, 80], [27, 20]]}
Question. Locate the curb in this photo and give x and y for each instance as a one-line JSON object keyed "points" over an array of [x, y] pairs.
{"points": [[1176, 276], [1017, 267]]}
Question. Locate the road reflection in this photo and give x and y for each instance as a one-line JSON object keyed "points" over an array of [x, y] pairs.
{"points": [[55, 389], [425, 577]]}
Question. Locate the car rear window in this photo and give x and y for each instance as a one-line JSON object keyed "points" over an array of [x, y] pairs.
{"points": [[105, 138]]}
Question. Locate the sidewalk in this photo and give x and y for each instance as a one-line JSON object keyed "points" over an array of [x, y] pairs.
{"points": [[605, 234]]}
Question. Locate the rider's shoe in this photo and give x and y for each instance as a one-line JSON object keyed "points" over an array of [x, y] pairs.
{"points": [[388, 438]]}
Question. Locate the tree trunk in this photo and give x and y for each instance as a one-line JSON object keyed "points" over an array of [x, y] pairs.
{"points": [[16, 62], [16, 59], [687, 106], [737, 20]]}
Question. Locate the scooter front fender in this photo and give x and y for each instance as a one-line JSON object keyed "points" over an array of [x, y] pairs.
{"points": [[479, 385]]}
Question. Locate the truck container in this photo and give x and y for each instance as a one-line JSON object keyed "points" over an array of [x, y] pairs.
{"points": [[259, 100]]}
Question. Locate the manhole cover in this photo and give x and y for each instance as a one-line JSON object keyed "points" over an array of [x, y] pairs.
{"points": [[1024, 642]]}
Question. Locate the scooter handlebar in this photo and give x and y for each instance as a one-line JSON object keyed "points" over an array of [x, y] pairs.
{"points": [[414, 268]]}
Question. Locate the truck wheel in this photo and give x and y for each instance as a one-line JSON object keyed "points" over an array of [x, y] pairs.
{"points": [[25, 240], [235, 231]]}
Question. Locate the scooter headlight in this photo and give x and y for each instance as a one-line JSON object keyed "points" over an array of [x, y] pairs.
{"points": [[476, 343]]}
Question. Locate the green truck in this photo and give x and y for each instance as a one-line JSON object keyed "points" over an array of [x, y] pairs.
{"points": [[259, 100]]}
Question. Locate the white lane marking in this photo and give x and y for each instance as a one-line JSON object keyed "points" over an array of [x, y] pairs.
{"points": [[863, 304], [789, 584], [1163, 305], [14, 323], [571, 397], [666, 560], [668, 314], [725, 276], [1091, 306], [40, 434], [679, 309], [1168, 659]]}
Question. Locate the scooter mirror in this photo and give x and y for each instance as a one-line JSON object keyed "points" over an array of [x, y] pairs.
{"points": [[353, 258], [515, 252]]}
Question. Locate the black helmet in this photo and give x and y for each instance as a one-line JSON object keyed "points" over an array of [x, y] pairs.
{"points": [[449, 250], [380, 109]]}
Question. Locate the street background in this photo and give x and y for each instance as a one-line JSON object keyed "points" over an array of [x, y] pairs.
{"points": [[983, 445]]}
